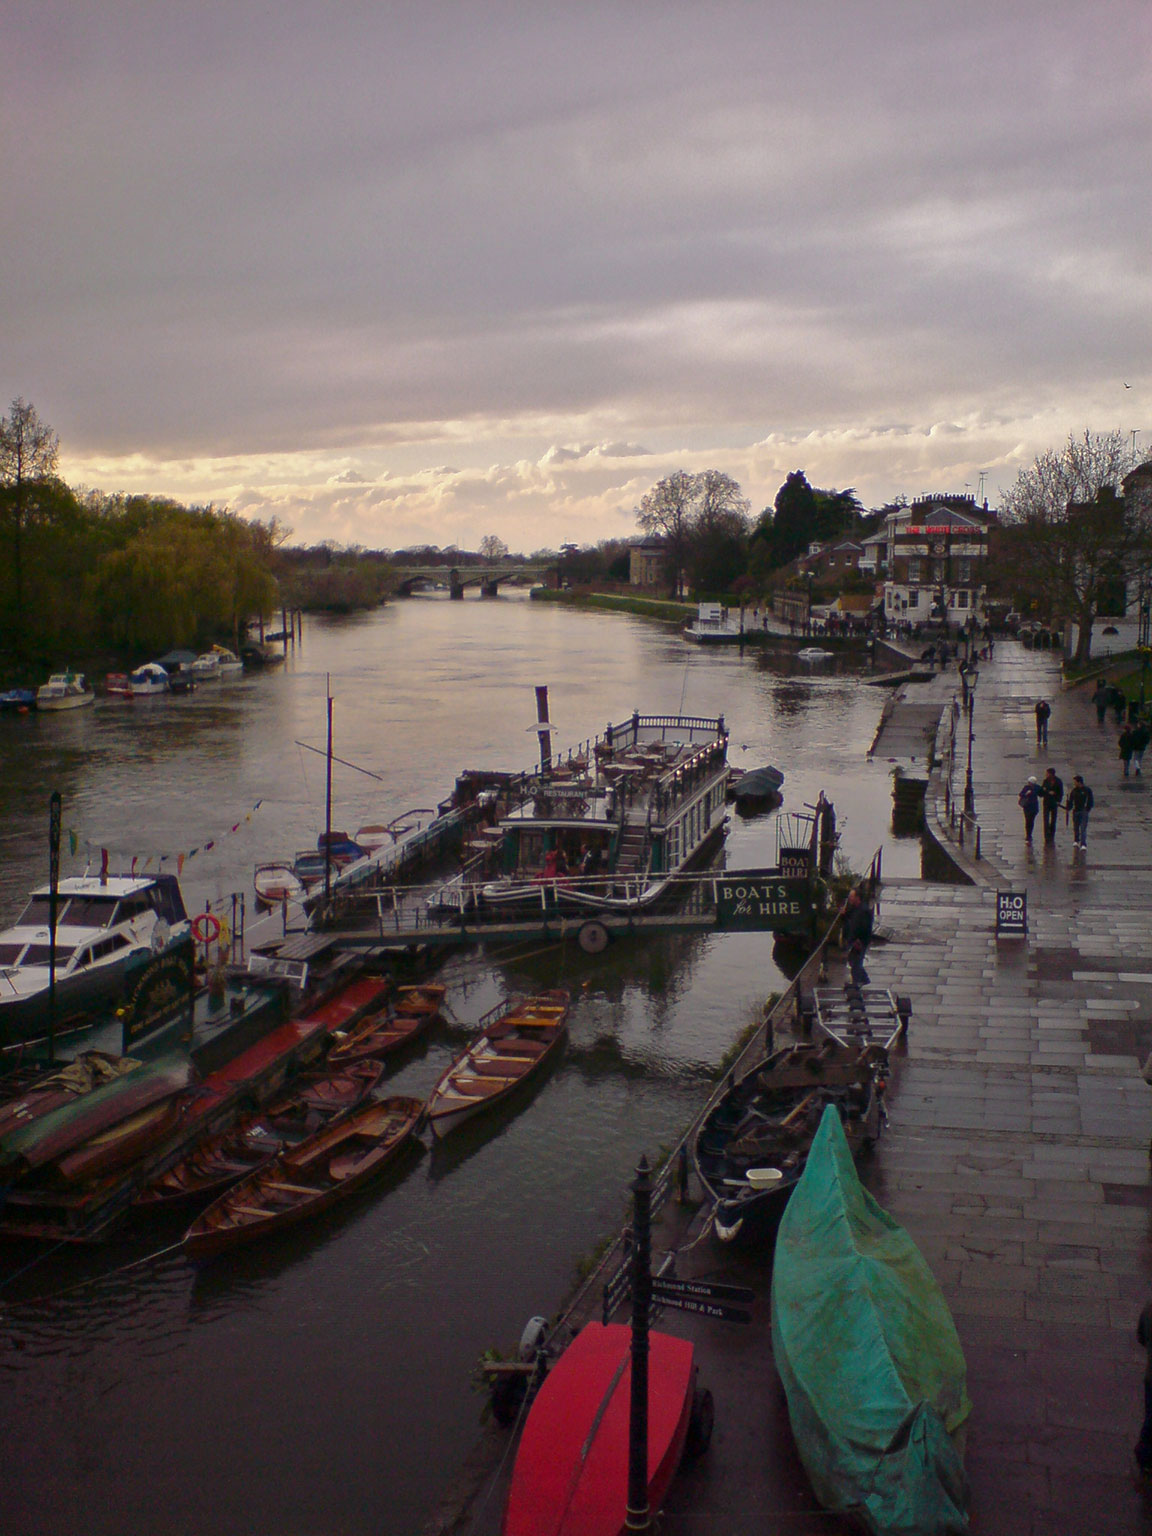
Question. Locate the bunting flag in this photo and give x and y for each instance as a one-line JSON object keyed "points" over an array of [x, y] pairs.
{"points": [[144, 862]]}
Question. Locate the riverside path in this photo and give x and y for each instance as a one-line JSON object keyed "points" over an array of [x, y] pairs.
{"points": [[1017, 1156]]}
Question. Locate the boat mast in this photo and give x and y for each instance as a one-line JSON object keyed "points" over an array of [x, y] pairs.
{"points": [[328, 800]]}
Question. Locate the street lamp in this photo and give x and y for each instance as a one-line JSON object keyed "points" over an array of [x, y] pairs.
{"points": [[969, 798]]}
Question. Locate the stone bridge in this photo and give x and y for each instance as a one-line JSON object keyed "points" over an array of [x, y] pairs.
{"points": [[486, 577]]}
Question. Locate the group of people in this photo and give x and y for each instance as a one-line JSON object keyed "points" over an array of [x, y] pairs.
{"points": [[1047, 795]]}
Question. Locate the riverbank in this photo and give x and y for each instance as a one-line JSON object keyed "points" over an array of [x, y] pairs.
{"points": [[1017, 1157]]}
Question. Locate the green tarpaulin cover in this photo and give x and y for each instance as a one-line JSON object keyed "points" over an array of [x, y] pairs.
{"points": [[868, 1354]]}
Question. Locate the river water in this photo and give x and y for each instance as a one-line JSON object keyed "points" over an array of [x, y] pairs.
{"points": [[321, 1385]]}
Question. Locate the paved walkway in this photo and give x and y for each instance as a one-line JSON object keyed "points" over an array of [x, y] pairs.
{"points": [[1017, 1155]]}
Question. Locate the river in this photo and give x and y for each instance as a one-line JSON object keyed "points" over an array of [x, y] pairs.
{"points": [[322, 1385]]}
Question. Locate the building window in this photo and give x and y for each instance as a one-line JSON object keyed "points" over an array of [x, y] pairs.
{"points": [[913, 570], [965, 569], [914, 598], [962, 599]]}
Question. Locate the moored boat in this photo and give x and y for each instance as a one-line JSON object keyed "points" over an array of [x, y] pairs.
{"points": [[227, 662], [102, 925], [757, 787], [310, 1178], [714, 625], [752, 1145], [19, 699], [570, 1477], [206, 668], [147, 680], [413, 1013], [275, 883], [868, 1355], [517, 1039], [64, 690]]}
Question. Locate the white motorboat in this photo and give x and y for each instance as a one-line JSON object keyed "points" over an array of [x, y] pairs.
{"points": [[714, 625], [813, 653], [150, 678], [228, 663], [206, 668], [102, 924], [64, 690]]}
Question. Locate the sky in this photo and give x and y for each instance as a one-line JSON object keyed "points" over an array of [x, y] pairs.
{"points": [[413, 273]]}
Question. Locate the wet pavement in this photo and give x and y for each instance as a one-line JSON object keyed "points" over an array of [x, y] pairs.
{"points": [[1017, 1154]]}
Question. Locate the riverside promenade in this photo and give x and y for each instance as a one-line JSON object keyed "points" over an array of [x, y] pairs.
{"points": [[1017, 1154]]}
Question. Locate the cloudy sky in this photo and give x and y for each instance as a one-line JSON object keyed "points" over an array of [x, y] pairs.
{"points": [[414, 273]]}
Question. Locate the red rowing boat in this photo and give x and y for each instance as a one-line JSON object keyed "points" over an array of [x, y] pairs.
{"points": [[571, 1471]]}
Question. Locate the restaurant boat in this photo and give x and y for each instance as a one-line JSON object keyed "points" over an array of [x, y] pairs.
{"points": [[517, 1039], [610, 830], [868, 1355], [310, 1178], [570, 1477], [752, 1145], [102, 925]]}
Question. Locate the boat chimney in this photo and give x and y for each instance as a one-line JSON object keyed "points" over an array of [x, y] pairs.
{"points": [[544, 730]]}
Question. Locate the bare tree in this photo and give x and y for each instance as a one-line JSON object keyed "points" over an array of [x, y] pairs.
{"points": [[1078, 536], [668, 511], [29, 451], [492, 548]]}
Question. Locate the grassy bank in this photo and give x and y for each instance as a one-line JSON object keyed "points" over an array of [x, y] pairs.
{"points": [[646, 607]]}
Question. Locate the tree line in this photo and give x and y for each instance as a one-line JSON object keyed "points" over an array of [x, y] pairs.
{"points": [[111, 575]]}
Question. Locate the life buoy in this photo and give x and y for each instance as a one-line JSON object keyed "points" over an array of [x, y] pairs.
{"points": [[205, 928]]}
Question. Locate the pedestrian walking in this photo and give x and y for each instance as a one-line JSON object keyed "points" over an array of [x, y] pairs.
{"points": [[1080, 803], [1118, 702], [1144, 1444], [1126, 744], [1051, 799], [1043, 710], [856, 935], [1141, 736], [1029, 802], [1100, 698]]}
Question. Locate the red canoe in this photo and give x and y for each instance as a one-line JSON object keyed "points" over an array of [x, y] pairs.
{"points": [[571, 1471]]}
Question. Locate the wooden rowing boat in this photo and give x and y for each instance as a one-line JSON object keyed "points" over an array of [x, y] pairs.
{"points": [[752, 1145], [308, 1105], [308, 1179], [517, 1039], [415, 1010], [868, 1355], [570, 1477]]}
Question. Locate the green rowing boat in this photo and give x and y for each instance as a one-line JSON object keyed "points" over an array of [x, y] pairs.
{"points": [[868, 1354]]}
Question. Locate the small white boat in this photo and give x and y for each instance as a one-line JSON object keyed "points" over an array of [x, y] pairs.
{"points": [[150, 678], [64, 690], [206, 668], [228, 663], [813, 653], [276, 883]]}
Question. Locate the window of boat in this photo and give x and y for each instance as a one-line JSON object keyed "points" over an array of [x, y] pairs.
{"points": [[10, 953], [35, 914], [130, 907], [90, 911], [37, 954], [109, 946]]}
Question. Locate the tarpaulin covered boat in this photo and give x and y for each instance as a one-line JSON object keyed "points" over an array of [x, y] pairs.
{"points": [[868, 1354]]}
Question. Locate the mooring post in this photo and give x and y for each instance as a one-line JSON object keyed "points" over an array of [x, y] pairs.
{"points": [[639, 1515]]}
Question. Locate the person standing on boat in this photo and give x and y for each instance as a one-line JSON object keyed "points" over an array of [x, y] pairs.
{"points": [[856, 935]]}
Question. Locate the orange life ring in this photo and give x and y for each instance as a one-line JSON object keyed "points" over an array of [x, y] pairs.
{"points": [[205, 927]]}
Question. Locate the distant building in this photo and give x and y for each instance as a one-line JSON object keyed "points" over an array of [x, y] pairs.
{"points": [[648, 564], [935, 554]]}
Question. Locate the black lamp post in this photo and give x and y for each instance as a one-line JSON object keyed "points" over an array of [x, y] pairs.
{"points": [[969, 798]]}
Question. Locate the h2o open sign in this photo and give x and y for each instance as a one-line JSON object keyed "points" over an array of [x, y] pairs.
{"points": [[1012, 912]]}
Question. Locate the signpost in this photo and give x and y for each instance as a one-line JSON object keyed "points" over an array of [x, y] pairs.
{"points": [[1011, 914], [764, 899]]}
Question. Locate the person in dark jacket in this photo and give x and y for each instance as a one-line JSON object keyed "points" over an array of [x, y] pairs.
{"points": [[1141, 736], [1080, 803], [1100, 698], [1051, 799], [1029, 800], [1127, 747], [1043, 710], [856, 935]]}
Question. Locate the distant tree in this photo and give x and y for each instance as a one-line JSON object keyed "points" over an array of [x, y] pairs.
{"points": [[667, 511], [492, 549], [794, 519], [1073, 527], [29, 451]]}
